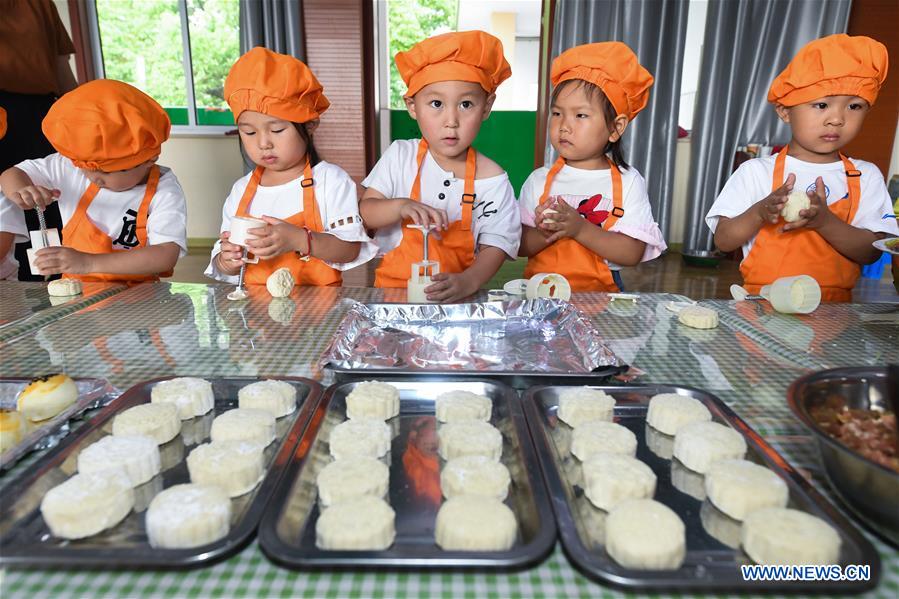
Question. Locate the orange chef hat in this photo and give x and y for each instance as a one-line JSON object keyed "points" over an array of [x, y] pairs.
{"points": [[274, 84], [106, 125], [2, 122], [836, 65], [611, 66], [474, 56]]}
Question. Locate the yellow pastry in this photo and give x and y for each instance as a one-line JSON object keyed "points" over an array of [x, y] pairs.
{"points": [[47, 396], [11, 428]]}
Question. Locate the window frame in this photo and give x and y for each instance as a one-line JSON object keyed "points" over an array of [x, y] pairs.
{"points": [[192, 129]]}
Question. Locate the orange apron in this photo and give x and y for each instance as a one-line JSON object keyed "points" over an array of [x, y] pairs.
{"points": [[584, 270], [803, 251], [454, 252], [83, 235], [311, 272]]}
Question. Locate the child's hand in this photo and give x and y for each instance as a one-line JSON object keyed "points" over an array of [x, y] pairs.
{"points": [[817, 214], [768, 209], [567, 223], [450, 287], [230, 255], [541, 217], [276, 238], [63, 260], [34, 196], [423, 215]]}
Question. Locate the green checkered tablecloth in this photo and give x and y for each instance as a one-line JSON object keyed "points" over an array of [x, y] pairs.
{"points": [[186, 329], [25, 306]]}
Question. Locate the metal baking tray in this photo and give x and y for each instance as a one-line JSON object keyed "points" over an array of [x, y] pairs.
{"points": [[287, 531], [25, 539], [713, 558], [869, 489], [92, 393], [515, 340]]}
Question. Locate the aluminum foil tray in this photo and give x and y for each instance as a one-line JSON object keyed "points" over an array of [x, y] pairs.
{"points": [[25, 539], [713, 556], [537, 337], [287, 532], [92, 393]]}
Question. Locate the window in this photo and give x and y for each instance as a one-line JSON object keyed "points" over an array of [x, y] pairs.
{"points": [[692, 61], [177, 51]]}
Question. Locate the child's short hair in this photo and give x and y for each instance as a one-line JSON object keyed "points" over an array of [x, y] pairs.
{"points": [[593, 92]]}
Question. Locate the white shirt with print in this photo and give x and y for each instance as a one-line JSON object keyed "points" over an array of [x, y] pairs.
{"points": [[113, 212], [338, 206], [752, 182], [494, 217], [577, 185]]}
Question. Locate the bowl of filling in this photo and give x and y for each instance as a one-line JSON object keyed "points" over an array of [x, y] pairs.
{"points": [[848, 412]]}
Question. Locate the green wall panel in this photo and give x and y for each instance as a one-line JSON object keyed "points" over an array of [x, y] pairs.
{"points": [[507, 137]]}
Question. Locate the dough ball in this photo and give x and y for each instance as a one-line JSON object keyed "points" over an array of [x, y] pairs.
{"points": [[698, 445], [796, 201], [668, 412], [280, 283], [583, 404], [646, 535], [783, 536], [598, 437]]}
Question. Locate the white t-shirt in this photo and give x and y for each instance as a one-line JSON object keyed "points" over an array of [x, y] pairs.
{"points": [[494, 215], [752, 183], [575, 185], [337, 200], [113, 212]]}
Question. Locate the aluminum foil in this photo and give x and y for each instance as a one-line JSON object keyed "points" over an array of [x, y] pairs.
{"points": [[541, 335]]}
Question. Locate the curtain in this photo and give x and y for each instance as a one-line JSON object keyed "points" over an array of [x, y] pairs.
{"points": [[746, 44], [274, 24], [655, 30]]}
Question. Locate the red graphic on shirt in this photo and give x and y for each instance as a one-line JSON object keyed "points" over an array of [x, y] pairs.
{"points": [[587, 209]]}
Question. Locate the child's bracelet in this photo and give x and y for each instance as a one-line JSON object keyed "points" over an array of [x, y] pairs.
{"points": [[308, 253]]}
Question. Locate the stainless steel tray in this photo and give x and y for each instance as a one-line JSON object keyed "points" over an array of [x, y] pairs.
{"points": [[713, 559], [869, 489], [25, 539], [92, 393], [489, 339], [287, 531]]}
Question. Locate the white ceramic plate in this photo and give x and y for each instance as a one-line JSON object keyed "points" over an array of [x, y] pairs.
{"points": [[889, 245]]}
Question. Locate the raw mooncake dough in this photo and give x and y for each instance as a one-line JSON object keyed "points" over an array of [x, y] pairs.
{"points": [[159, 421], [280, 283], [668, 412], [739, 487], [351, 477], [475, 523], [235, 466], [583, 404], [698, 445], [698, 317], [192, 396], [371, 399], [86, 504], [455, 406], [244, 424], [187, 516], [64, 287], [138, 456], [475, 475], [367, 437], [470, 437], [360, 523], [645, 535], [611, 478], [596, 437], [784, 536], [796, 201], [277, 397]]}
